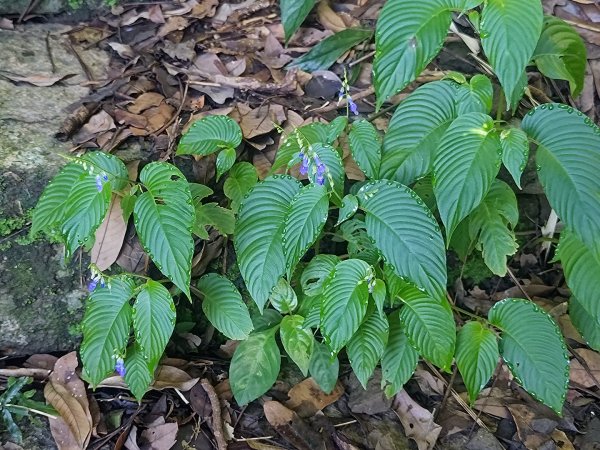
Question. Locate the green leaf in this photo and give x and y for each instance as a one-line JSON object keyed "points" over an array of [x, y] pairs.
{"points": [[582, 271], [303, 223], [430, 327], [137, 374], [298, 140], [335, 128], [297, 341], [199, 192], [365, 145], [153, 321], [561, 53], [164, 215], [379, 293], [210, 134], [509, 32], [408, 36], [283, 297], [324, 367], [415, 130], [323, 55], [476, 356], [367, 346], [11, 427], [489, 224], [464, 167], [106, 327], [349, 207], [211, 214], [406, 235], [354, 232], [534, 349], [268, 319], [293, 13], [224, 307], [334, 168], [127, 205], [345, 298], [568, 158], [254, 366], [258, 235], [475, 96], [100, 162], [515, 152], [316, 273], [240, 179], [399, 359], [225, 160]]}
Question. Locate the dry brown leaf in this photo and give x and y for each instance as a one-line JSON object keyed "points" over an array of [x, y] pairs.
{"points": [[98, 123], [561, 440], [329, 18], [123, 50], [158, 116], [126, 118], [161, 437], [417, 421], [109, 236], [491, 401], [428, 383], [36, 80], [145, 101], [262, 165], [306, 398], [173, 24], [6, 24], [533, 429], [259, 121], [171, 377], [41, 361], [155, 14], [66, 393], [291, 427], [579, 374]]}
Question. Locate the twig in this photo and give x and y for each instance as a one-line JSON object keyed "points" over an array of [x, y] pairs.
{"points": [[516, 282], [361, 59], [262, 438], [25, 372], [49, 51], [447, 393], [332, 106], [216, 415], [182, 397]]}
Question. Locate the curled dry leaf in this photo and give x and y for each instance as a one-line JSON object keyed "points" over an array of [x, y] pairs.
{"points": [[36, 80], [145, 101], [417, 421], [291, 427], [109, 236], [166, 377], [259, 121], [306, 398], [579, 374], [161, 436]]}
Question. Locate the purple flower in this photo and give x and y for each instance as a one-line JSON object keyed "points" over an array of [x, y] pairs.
{"points": [[104, 176], [352, 106], [120, 367], [304, 166], [320, 169], [102, 283], [99, 184], [92, 285], [320, 179], [341, 94]]}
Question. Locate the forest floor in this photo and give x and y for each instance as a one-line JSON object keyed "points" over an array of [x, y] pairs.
{"points": [[172, 63]]}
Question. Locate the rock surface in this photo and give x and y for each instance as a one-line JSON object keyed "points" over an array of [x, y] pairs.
{"points": [[40, 297]]}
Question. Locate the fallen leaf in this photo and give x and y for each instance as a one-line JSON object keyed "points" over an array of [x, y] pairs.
{"points": [[306, 398], [6, 24], [126, 118], [171, 377], [99, 122], [161, 437], [329, 18], [259, 121], [533, 430], [417, 421], [579, 374], [37, 80], [41, 361], [109, 236], [145, 101], [133, 258], [124, 51], [561, 440], [262, 165], [291, 427]]}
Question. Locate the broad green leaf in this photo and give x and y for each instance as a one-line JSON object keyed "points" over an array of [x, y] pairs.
{"points": [[164, 215], [211, 214], [137, 374], [209, 134], [299, 140], [424, 189], [430, 328], [293, 13], [582, 271], [199, 192], [50, 208], [399, 359], [153, 321], [225, 160], [586, 323], [335, 128], [409, 35], [509, 32], [534, 349], [283, 298], [349, 207], [568, 158], [489, 225], [464, 167], [367, 346], [323, 55], [354, 232], [561, 53], [11, 427], [127, 205], [106, 327], [324, 367], [303, 223], [334, 169], [223, 306], [254, 366], [379, 293], [475, 96], [297, 341], [316, 273], [268, 319], [415, 130], [258, 235], [240, 179], [365, 145], [515, 152], [476, 356], [406, 234], [345, 298], [100, 162]]}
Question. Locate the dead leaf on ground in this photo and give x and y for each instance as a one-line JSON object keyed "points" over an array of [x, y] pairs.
{"points": [[99, 122], [533, 429], [6, 24], [41, 361], [417, 421], [306, 398], [145, 101], [109, 236], [579, 374], [259, 121], [162, 436], [133, 258], [36, 80], [291, 427]]}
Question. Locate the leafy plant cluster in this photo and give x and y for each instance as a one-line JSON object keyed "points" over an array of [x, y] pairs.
{"points": [[381, 296]]}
